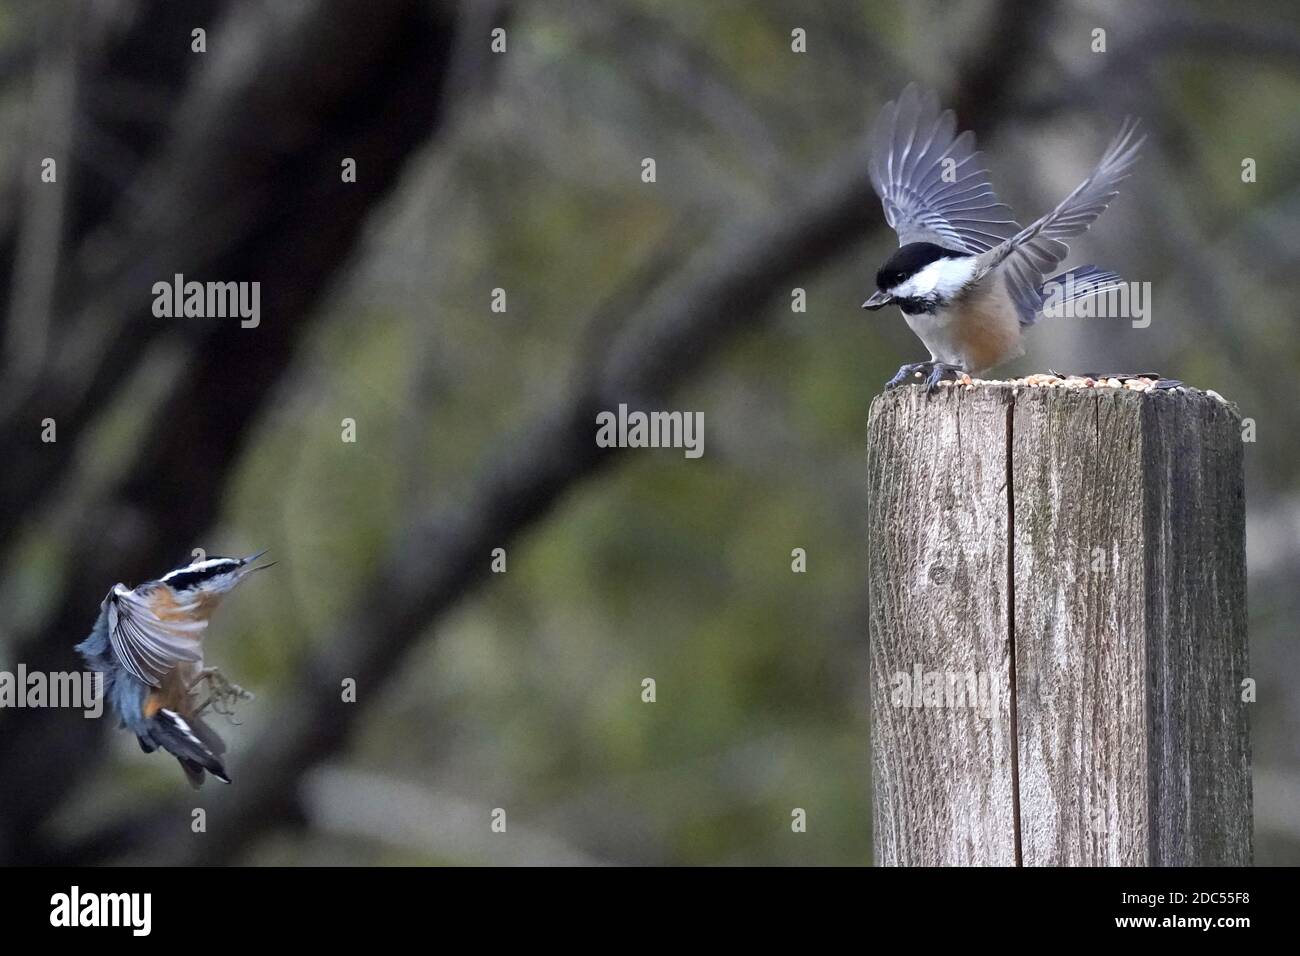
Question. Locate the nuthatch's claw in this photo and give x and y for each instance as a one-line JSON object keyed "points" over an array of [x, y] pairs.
{"points": [[222, 694]]}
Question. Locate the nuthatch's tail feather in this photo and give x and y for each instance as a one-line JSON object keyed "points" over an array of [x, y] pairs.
{"points": [[191, 741]]}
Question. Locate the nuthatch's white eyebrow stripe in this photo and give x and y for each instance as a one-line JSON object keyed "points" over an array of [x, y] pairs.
{"points": [[204, 565], [199, 571]]}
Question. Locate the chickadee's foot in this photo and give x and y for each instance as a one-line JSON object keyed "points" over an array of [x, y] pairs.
{"points": [[938, 372], [222, 694], [933, 372], [905, 372]]}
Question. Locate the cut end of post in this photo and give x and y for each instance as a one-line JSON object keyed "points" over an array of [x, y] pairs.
{"points": [[1126, 381], [1146, 386]]}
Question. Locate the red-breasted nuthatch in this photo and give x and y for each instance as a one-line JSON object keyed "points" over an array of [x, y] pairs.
{"points": [[146, 643]]}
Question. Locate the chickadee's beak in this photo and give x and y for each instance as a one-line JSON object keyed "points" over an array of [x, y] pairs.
{"points": [[878, 299], [251, 558]]}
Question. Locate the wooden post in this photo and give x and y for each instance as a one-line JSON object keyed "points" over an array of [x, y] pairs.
{"points": [[1058, 628]]}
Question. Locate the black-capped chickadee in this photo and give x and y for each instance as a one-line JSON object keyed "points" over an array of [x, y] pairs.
{"points": [[967, 276], [146, 642]]}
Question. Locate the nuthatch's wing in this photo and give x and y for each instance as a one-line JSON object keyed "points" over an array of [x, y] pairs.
{"points": [[930, 180], [150, 637], [1038, 248]]}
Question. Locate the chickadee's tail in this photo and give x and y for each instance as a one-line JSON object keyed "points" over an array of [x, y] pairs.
{"points": [[189, 740]]}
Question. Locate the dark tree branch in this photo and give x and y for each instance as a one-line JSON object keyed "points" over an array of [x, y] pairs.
{"points": [[95, 50], [246, 188]]}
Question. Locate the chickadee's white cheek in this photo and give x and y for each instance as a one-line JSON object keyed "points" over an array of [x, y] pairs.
{"points": [[920, 284], [952, 274], [929, 278], [915, 287]]}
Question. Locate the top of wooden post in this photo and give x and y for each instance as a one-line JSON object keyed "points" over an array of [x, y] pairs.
{"points": [[1127, 388]]}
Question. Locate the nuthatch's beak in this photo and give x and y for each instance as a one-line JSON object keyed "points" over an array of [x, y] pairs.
{"points": [[878, 299], [253, 557]]}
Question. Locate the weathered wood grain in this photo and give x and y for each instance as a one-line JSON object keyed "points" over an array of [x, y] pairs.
{"points": [[1199, 788], [938, 569], [1080, 625], [1120, 637]]}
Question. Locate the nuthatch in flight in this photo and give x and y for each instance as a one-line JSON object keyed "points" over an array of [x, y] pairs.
{"points": [[146, 642], [967, 276]]}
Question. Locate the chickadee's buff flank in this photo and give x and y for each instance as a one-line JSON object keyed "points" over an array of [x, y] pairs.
{"points": [[146, 642], [967, 277]]}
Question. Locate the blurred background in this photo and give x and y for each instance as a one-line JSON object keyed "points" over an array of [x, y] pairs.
{"points": [[522, 171]]}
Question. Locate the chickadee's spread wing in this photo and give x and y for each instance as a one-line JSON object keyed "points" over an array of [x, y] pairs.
{"points": [[1038, 248], [147, 645], [930, 180]]}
